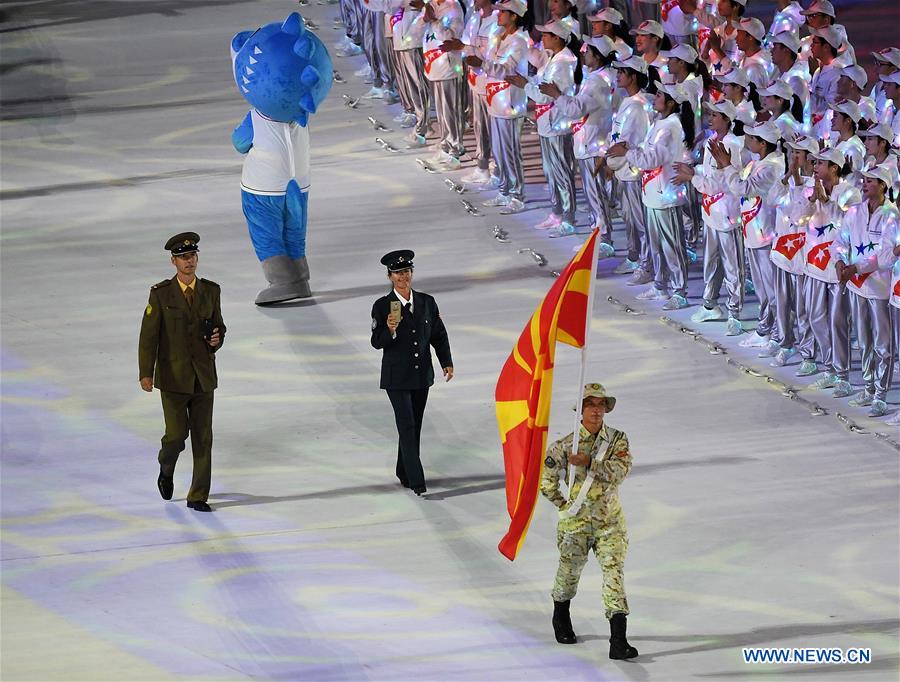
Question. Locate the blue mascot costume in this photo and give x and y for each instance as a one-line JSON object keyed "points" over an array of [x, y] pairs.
{"points": [[284, 72]]}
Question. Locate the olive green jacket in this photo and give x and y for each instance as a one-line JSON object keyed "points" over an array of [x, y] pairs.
{"points": [[172, 340]]}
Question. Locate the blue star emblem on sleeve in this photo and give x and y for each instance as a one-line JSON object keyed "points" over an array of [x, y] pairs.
{"points": [[860, 249]]}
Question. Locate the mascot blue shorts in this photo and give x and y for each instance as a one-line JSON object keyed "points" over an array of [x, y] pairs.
{"points": [[285, 73]]}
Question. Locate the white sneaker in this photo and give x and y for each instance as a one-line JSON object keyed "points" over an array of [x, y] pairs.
{"points": [[862, 399], [349, 50], [626, 267], [638, 278], [605, 251], [414, 141], [374, 93], [494, 181], [807, 368], [499, 200], [399, 117], [754, 341], [652, 294], [707, 314], [478, 176], [390, 97], [879, 408], [449, 163], [514, 206], [782, 356], [564, 229], [769, 350], [407, 120], [366, 70], [677, 302], [842, 389], [549, 222], [827, 380], [733, 327]]}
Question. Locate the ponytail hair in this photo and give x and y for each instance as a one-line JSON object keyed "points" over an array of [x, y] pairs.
{"points": [[698, 68], [686, 115], [652, 78], [753, 96], [574, 46], [737, 127], [665, 44], [621, 32], [844, 170]]}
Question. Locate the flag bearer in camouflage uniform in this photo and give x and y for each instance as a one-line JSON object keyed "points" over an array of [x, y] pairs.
{"points": [[590, 517]]}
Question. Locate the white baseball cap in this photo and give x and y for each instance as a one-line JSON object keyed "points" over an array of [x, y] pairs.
{"points": [[882, 130], [634, 62], [889, 55], [857, 74], [736, 76], [724, 107], [830, 154], [810, 145], [777, 88], [787, 38], [613, 16], [831, 35], [849, 109], [684, 52], [819, 7], [881, 172], [766, 130], [891, 78], [752, 26], [604, 45], [557, 28], [518, 7], [648, 28]]}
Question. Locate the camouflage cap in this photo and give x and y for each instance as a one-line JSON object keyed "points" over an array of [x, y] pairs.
{"points": [[598, 391]]}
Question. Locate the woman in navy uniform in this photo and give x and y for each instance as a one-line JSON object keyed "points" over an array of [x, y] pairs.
{"points": [[405, 324]]}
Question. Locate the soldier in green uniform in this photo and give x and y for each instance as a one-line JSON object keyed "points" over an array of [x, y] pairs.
{"points": [[181, 331], [590, 517]]}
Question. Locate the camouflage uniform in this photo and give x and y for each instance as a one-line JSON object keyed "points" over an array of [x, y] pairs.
{"points": [[599, 524]]}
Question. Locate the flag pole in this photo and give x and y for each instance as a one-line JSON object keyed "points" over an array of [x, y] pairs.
{"points": [[576, 431]]}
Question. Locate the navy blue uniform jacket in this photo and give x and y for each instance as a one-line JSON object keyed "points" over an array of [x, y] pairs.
{"points": [[406, 362]]}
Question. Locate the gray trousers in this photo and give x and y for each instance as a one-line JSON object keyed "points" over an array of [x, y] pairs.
{"points": [[597, 198], [448, 106], [762, 271], [828, 312], [723, 261], [481, 123], [692, 211], [785, 309], [806, 341], [375, 48], [399, 81], [506, 137], [558, 161], [634, 215], [352, 17], [665, 231], [412, 67], [872, 318]]}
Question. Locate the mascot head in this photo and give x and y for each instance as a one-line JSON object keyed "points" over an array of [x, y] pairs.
{"points": [[282, 69]]}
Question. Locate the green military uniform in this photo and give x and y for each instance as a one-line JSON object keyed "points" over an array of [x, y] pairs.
{"points": [[172, 349], [598, 523]]}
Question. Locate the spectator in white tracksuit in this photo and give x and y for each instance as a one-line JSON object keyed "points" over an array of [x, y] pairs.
{"points": [[793, 71], [889, 258], [556, 65], [723, 253], [785, 109], [844, 123], [591, 112], [790, 197], [411, 68], [856, 250], [667, 141], [827, 301], [630, 125], [507, 56], [440, 21], [753, 184]]}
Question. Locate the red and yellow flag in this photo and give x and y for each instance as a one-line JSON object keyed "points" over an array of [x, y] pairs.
{"points": [[525, 387]]}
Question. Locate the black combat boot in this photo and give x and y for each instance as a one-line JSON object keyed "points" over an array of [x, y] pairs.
{"points": [[562, 622], [619, 648]]}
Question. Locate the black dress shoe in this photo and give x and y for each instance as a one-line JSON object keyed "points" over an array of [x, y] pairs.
{"points": [[199, 505], [405, 484], [165, 485], [420, 490]]}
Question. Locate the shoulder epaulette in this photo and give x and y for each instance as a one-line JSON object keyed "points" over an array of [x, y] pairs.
{"points": [[209, 281], [164, 283]]}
